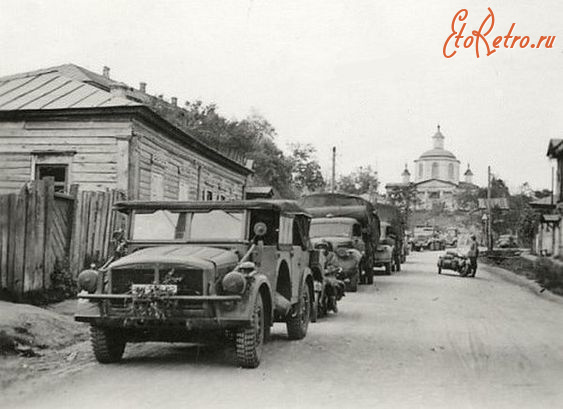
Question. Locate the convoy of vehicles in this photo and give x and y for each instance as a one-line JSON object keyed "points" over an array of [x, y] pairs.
{"points": [[350, 207], [204, 271]]}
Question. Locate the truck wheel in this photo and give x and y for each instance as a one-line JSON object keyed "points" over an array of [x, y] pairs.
{"points": [[108, 345], [298, 320], [249, 341], [388, 268], [315, 312], [369, 275], [353, 286]]}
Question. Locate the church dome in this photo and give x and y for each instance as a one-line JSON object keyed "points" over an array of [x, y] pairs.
{"points": [[437, 153]]}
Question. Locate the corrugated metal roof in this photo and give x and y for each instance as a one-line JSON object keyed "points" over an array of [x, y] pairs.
{"points": [[66, 86]]}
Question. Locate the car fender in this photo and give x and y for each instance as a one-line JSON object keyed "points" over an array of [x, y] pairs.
{"points": [[258, 281], [307, 274]]}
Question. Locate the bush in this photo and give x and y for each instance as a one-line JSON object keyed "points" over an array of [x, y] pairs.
{"points": [[63, 284], [549, 274]]}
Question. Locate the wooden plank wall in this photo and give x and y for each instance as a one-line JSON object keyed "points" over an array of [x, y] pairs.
{"points": [[41, 231]]}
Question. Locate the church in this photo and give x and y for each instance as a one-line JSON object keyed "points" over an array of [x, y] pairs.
{"points": [[436, 177]]}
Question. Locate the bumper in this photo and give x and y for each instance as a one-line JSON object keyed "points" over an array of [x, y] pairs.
{"points": [[180, 312]]}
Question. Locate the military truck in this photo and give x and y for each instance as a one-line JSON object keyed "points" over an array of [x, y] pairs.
{"points": [[394, 232], [323, 205], [345, 237], [189, 271]]}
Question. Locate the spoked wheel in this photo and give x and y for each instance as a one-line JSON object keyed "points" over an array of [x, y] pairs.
{"points": [[298, 320], [250, 341]]}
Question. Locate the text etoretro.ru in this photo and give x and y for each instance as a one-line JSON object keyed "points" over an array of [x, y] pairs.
{"points": [[483, 41]]}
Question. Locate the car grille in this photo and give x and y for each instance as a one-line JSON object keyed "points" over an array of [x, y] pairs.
{"points": [[189, 281], [121, 279]]}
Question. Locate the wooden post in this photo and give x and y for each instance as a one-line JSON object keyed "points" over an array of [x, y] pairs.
{"points": [[11, 253], [49, 256], [333, 178], [30, 240], [4, 238], [74, 247], [490, 219], [20, 242], [39, 266]]}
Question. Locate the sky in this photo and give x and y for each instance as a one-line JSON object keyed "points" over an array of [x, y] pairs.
{"points": [[368, 77]]}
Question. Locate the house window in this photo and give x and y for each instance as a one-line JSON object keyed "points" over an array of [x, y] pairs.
{"points": [[433, 195], [451, 171], [435, 171], [57, 172], [207, 195], [420, 170]]}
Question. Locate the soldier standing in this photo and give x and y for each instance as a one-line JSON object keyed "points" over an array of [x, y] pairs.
{"points": [[473, 254]]}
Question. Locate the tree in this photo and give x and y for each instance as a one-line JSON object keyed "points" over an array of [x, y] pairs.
{"points": [[251, 138], [405, 197], [362, 180], [306, 171]]}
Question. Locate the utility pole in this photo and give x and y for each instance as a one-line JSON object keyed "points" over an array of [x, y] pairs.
{"points": [[490, 216], [333, 180], [552, 186]]}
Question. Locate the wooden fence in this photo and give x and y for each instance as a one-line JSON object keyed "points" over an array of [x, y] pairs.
{"points": [[42, 231]]}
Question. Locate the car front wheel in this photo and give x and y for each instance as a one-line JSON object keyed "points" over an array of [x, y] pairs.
{"points": [[250, 341], [108, 345], [298, 319]]}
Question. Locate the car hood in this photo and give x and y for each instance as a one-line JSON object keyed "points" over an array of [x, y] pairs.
{"points": [[206, 258], [334, 241]]}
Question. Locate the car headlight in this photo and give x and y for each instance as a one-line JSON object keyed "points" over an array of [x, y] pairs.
{"points": [[88, 281], [342, 252], [234, 283]]}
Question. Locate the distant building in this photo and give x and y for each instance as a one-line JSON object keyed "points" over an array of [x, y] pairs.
{"points": [[84, 128], [437, 177]]}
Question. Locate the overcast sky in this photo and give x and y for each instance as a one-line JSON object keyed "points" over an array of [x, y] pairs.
{"points": [[366, 76]]}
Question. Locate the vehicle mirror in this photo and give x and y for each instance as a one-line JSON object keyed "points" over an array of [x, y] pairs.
{"points": [[260, 229]]}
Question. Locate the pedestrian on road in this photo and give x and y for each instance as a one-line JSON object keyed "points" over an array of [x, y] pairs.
{"points": [[473, 254]]}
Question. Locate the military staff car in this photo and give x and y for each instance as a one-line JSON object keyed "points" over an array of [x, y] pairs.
{"points": [[191, 270]]}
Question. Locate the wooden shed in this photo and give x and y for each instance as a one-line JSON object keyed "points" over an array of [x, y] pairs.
{"points": [[84, 128]]}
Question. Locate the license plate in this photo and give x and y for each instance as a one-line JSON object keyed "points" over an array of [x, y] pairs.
{"points": [[153, 289]]}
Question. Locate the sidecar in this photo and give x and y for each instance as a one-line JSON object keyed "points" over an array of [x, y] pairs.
{"points": [[455, 261]]}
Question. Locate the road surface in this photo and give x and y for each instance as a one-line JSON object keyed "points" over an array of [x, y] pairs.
{"points": [[414, 340]]}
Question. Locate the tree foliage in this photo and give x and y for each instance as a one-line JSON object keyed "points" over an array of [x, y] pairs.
{"points": [[306, 171], [362, 180], [405, 197], [251, 138]]}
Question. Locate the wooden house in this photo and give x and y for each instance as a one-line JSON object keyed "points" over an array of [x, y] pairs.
{"points": [[84, 128]]}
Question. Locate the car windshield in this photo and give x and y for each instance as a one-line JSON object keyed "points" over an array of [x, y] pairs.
{"points": [[330, 230], [163, 225]]}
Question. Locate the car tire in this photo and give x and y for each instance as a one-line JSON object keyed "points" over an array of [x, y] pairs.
{"points": [[298, 320], [369, 275], [249, 342], [315, 311], [353, 286], [108, 345]]}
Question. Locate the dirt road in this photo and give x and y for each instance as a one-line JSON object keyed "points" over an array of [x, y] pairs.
{"points": [[415, 340]]}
